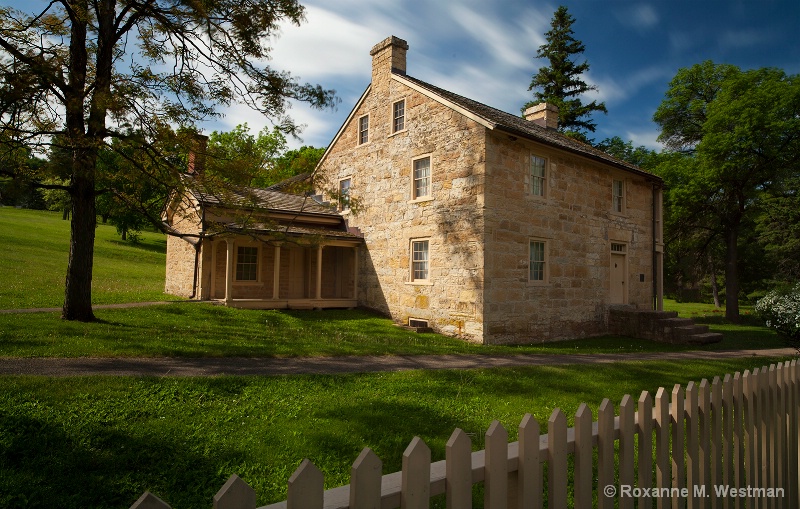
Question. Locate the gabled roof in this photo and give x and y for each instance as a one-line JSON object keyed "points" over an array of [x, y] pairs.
{"points": [[495, 119]]}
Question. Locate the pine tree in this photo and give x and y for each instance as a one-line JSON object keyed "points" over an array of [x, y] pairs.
{"points": [[561, 82]]}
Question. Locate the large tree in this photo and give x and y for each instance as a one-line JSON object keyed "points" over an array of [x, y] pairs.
{"points": [[740, 131], [88, 71], [561, 83]]}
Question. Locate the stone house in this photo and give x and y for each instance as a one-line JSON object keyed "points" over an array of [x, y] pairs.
{"points": [[486, 225]]}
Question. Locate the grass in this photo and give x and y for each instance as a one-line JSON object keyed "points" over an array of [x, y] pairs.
{"points": [[36, 251], [101, 442], [204, 330]]}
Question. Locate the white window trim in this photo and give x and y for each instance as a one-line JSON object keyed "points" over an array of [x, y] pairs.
{"points": [[623, 204], [243, 282], [411, 280], [358, 129], [392, 132], [545, 178], [429, 196], [546, 280], [339, 205]]}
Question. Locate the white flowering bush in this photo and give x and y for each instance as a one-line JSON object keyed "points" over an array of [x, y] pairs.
{"points": [[780, 309]]}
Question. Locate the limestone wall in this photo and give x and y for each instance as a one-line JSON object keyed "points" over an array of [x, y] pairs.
{"points": [[452, 219], [576, 222], [180, 264]]}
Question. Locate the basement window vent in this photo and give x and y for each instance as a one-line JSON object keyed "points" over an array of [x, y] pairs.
{"points": [[617, 248], [416, 323]]}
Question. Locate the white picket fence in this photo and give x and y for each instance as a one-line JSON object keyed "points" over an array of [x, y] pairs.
{"points": [[697, 446]]}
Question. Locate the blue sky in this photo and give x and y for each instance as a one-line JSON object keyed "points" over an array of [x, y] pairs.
{"points": [[485, 50]]}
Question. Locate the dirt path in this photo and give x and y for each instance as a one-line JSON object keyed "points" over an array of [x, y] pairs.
{"points": [[182, 366]]}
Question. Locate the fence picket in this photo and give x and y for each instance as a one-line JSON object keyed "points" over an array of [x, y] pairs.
{"points": [[306, 487], [704, 423], [583, 458], [738, 438], [692, 450], [365, 481], [793, 428], [150, 501], [557, 460], [750, 436], [529, 477], [627, 433], [716, 439], [496, 478], [645, 459], [772, 430], [458, 453], [727, 435], [605, 453], [415, 491], [662, 445], [678, 439], [235, 494]]}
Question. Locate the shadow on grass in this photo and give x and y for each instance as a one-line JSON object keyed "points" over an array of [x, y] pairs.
{"points": [[151, 246], [41, 465]]}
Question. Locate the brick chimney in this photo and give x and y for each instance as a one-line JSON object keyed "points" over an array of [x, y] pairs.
{"points": [[544, 114], [388, 55], [197, 155]]}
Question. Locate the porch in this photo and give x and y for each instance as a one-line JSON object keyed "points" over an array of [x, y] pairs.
{"points": [[253, 274]]}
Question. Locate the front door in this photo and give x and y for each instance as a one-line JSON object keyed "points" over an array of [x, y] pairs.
{"points": [[618, 275]]}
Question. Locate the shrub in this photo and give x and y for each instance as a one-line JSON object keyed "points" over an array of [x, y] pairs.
{"points": [[780, 309]]}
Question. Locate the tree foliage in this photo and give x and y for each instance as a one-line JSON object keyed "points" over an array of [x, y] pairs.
{"points": [[85, 72], [561, 83], [739, 133]]}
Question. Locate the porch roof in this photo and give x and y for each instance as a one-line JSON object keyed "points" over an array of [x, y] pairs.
{"points": [[293, 230]]}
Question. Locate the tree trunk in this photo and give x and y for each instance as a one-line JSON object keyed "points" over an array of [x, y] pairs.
{"points": [[78, 291], [731, 274], [714, 286]]}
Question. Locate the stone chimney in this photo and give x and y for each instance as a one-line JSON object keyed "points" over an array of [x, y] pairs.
{"points": [[544, 114], [197, 155], [388, 55]]}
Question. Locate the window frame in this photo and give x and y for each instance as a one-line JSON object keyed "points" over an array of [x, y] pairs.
{"points": [[545, 261], [239, 265], [363, 130], [415, 196], [342, 204], [618, 204], [401, 117], [413, 261], [543, 179]]}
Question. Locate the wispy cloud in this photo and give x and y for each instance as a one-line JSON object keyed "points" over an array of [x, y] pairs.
{"points": [[747, 38], [640, 17]]}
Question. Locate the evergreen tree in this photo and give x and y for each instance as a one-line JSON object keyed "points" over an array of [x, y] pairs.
{"points": [[561, 82]]}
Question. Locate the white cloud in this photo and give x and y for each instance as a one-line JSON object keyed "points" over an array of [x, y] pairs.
{"points": [[646, 138], [735, 39], [640, 17]]}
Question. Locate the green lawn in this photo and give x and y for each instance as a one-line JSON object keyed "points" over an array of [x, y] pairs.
{"points": [[100, 442], [33, 264]]}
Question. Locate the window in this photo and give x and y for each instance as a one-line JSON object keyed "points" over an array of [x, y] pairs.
{"points": [[422, 178], [363, 129], [344, 194], [247, 264], [617, 248], [537, 175], [618, 195], [399, 116], [419, 260], [537, 268]]}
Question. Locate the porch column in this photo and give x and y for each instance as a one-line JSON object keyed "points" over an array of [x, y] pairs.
{"points": [[276, 274], [229, 272], [319, 272], [355, 273]]}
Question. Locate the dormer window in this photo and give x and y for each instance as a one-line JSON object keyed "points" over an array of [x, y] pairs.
{"points": [[399, 116]]}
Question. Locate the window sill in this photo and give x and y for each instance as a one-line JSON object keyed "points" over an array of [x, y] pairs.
{"points": [[397, 132], [421, 200], [419, 283], [247, 283], [538, 283]]}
